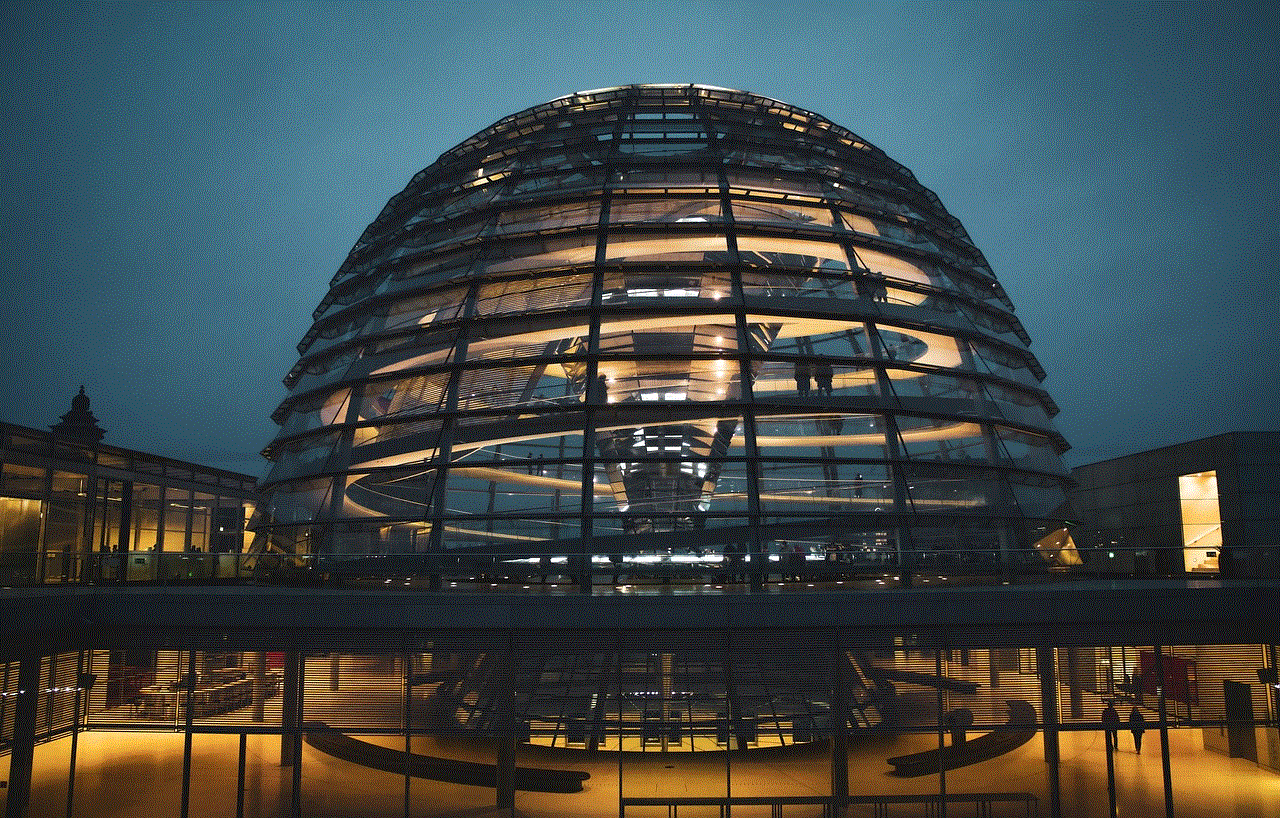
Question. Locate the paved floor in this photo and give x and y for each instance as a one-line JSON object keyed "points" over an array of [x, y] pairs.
{"points": [[139, 774]]}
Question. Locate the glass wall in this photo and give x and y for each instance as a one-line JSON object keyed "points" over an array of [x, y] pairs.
{"points": [[79, 513], [655, 340], [607, 721]]}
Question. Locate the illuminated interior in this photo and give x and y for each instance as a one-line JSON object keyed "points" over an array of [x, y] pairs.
{"points": [[676, 321], [1201, 521]]}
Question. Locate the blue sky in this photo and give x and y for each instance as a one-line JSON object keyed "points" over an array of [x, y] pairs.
{"points": [[182, 180]]}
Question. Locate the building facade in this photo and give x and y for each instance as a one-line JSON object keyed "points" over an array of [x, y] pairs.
{"points": [[729, 368], [1202, 508], [73, 509]]}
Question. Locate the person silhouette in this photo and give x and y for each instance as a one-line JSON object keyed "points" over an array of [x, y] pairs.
{"points": [[822, 377], [1111, 723], [1136, 725], [598, 392], [802, 378]]}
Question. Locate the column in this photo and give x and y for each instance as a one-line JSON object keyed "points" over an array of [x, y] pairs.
{"points": [[839, 734], [289, 707], [24, 737], [1049, 706], [505, 735]]}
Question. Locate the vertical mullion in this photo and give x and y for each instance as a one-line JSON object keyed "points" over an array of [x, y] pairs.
{"points": [[758, 571], [586, 532], [444, 440]]}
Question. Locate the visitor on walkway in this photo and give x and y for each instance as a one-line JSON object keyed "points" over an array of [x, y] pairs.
{"points": [[1136, 725], [1111, 723], [802, 378], [823, 375]]}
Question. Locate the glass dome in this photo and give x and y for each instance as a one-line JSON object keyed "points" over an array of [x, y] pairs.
{"points": [[666, 330]]}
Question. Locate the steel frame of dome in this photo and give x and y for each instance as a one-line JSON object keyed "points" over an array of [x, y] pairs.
{"points": [[663, 328]]}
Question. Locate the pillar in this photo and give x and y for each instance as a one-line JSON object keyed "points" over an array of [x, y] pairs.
{"points": [[291, 696], [1075, 692], [1049, 706], [839, 734], [24, 737], [1164, 734], [505, 736]]}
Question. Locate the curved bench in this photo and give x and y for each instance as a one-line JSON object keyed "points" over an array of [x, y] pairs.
{"points": [[450, 770], [983, 748]]}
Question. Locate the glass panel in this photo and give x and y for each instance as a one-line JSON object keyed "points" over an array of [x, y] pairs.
{"points": [[757, 284], [514, 490], [904, 233], [523, 296], [1018, 406], [771, 251], [480, 389], [540, 218], [1201, 520], [1038, 498], [531, 338], [942, 439], [1030, 451], [945, 392], [892, 267], [177, 509], [541, 254], [670, 248], [743, 182], [424, 430], [901, 346], [989, 322], [960, 490], [749, 212], [325, 370], [832, 436], [668, 210], [439, 306], [202, 506], [680, 487], [146, 510], [19, 538], [859, 224], [213, 766], [667, 381], [1003, 364], [644, 288], [321, 410], [673, 180], [23, 480], [397, 494], [293, 502], [589, 178], [298, 457], [819, 488], [64, 527], [796, 378], [385, 399]]}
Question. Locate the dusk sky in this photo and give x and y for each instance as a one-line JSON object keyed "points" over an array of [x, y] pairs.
{"points": [[181, 181]]}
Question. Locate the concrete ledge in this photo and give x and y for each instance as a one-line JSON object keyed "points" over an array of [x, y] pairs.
{"points": [[1087, 613]]}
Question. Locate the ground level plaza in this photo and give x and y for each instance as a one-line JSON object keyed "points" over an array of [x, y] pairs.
{"points": [[304, 701]]}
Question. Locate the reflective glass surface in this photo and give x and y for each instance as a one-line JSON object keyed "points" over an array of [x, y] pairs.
{"points": [[634, 313]]}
